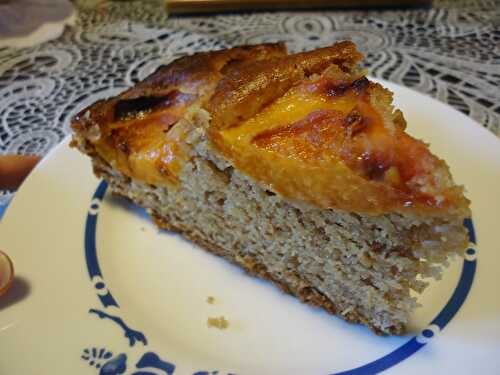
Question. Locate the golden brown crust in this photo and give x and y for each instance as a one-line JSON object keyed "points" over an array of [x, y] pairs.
{"points": [[308, 126], [139, 133], [243, 92], [337, 143]]}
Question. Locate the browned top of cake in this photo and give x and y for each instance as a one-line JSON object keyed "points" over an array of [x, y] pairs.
{"points": [[309, 126], [135, 132]]}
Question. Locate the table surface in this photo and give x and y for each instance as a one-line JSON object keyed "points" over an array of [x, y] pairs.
{"points": [[450, 51]]}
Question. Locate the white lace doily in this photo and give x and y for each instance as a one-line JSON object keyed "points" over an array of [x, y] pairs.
{"points": [[450, 52]]}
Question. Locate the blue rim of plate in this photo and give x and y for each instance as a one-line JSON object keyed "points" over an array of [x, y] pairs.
{"points": [[398, 355]]}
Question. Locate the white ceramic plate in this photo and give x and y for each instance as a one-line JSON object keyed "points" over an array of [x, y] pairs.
{"points": [[100, 290]]}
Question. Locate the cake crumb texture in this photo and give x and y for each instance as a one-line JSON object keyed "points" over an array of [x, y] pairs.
{"points": [[218, 322]]}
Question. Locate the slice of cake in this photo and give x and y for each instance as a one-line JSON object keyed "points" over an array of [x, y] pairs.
{"points": [[295, 167]]}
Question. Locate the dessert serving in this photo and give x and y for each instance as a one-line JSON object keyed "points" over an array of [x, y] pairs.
{"points": [[295, 167]]}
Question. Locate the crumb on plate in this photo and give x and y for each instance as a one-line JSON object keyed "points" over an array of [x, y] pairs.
{"points": [[218, 322]]}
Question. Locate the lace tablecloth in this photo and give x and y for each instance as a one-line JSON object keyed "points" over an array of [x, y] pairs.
{"points": [[450, 51]]}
